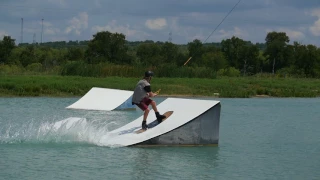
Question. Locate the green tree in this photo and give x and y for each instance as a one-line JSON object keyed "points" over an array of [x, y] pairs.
{"points": [[75, 54], [27, 55], [118, 49], [6, 46], [47, 57], [249, 59], [181, 58], [275, 52], [232, 49], [150, 54], [106, 46], [307, 58], [169, 52], [211, 48], [195, 49], [214, 60], [262, 62], [14, 58]]}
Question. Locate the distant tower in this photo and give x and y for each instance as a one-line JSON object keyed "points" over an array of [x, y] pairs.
{"points": [[21, 30], [41, 31], [170, 37], [34, 38]]}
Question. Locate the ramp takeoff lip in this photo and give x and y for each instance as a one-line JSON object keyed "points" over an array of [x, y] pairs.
{"points": [[194, 122]]}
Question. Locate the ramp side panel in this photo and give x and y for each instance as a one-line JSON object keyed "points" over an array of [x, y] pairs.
{"points": [[185, 110], [200, 131], [101, 99], [210, 125]]}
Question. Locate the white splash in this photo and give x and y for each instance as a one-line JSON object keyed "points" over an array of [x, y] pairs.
{"points": [[70, 130]]}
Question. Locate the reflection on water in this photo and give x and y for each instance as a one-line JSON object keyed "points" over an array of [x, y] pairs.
{"points": [[147, 161]]}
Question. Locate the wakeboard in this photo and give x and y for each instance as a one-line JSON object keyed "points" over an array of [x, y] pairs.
{"points": [[155, 122]]}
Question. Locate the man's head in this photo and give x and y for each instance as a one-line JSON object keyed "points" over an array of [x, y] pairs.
{"points": [[148, 75]]}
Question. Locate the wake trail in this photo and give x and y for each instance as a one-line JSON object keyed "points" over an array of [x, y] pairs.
{"points": [[71, 130]]}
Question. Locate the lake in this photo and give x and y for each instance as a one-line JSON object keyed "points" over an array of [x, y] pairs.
{"points": [[260, 138]]}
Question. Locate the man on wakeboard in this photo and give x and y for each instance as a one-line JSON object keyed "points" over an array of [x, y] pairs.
{"points": [[141, 97]]}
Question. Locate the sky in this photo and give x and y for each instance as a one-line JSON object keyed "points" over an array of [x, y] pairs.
{"points": [[180, 21]]}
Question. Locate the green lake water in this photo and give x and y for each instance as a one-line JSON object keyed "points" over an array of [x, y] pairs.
{"points": [[260, 138]]}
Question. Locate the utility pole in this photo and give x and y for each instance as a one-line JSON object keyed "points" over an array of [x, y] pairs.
{"points": [[34, 38], [170, 37], [41, 31], [21, 31]]}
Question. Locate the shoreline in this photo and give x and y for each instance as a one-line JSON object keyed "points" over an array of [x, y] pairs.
{"points": [[161, 96], [224, 87]]}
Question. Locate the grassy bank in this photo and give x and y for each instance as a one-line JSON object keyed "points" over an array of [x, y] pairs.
{"points": [[64, 86]]}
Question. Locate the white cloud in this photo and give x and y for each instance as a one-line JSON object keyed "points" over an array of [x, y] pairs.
{"points": [[49, 29], [294, 35], [2, 33], [198, 15], [200, 37], [190, 33], [315, 28], [97, 3], [174, 24], [59, 39], [61, 3], [127, 30], [156, 24], [236, 31], [35, 28], [77, 24], [186, 21]]}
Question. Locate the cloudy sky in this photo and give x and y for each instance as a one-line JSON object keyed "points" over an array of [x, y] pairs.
{"points": [[143, 20]]}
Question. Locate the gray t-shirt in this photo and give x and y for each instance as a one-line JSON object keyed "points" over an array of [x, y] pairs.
{"points": [[139, 92]]}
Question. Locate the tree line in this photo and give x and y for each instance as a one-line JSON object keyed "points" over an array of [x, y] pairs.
{"points": [[108, 52]]}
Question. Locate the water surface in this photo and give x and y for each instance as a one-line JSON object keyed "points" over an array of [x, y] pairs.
{"points": [[260, 138]]}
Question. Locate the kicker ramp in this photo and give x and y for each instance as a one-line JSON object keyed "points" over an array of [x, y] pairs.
{"points": [[104, 99], [193, 122]]}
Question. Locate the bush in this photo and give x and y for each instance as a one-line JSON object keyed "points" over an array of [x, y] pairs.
{"points": [[230, 72], [10, 70], [34, 67], [106, 70]]}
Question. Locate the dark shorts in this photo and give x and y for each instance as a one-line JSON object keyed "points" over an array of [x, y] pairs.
{"points": [[144, 103]]}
